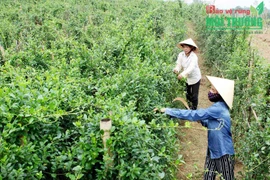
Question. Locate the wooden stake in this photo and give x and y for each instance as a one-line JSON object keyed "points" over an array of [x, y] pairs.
{"points": [[105, 125]]}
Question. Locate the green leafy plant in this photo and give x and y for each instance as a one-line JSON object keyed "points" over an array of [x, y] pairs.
{"points": [[69, 65], [230, 56]]}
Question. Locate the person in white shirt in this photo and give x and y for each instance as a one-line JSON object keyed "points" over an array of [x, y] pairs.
{"points": [[188, 61]]}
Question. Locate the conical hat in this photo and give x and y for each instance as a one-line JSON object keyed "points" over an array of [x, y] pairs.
{"points": [[225, 88], [189, 42]]}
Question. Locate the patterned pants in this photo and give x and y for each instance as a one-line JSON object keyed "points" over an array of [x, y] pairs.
{"points": [[222, 167]]}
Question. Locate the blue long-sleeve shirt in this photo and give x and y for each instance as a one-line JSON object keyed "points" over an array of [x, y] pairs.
{"points": [[218, 122]]}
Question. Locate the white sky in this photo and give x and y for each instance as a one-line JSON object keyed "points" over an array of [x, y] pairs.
{"points": [[228, 4]]}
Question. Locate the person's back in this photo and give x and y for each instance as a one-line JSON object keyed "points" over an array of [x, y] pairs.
{"points": [[219, 130]]}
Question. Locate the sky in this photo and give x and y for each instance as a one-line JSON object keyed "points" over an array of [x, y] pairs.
{"points": [[228, 4]]}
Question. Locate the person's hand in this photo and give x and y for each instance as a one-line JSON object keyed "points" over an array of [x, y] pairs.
{"points": [[156, 110], [179, 77], [162, 110]]}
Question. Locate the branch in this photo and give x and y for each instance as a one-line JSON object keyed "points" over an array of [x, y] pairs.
{"points": [[254, 113]]}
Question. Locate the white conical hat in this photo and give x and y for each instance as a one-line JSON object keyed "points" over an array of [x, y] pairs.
{"points": [[225, 88], [189, 42]]}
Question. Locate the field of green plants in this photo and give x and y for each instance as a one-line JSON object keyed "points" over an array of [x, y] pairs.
{"points": [[65, 65], [229, 55]]}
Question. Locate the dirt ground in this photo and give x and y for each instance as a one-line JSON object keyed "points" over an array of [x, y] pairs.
{"points": [[261, 42], [194, 140]]}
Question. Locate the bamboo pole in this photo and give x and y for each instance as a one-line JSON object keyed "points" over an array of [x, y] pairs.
{"points": [[2, 51], [249, 85]]}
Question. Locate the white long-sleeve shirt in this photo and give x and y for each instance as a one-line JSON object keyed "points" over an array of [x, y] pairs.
{"points": [[190, 66]]}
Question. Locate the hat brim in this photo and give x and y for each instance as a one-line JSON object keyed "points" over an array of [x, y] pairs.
{"points": [[189, 42], [225, 88], [181, 47]]}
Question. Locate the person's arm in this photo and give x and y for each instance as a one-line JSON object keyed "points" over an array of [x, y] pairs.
{"points": [[178, 66], [191, 67], [193, 115]]}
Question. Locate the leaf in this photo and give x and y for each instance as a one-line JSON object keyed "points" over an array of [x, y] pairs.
{"points": [[260, 8], [161, 175], [156, 158], [187, 124], [253, 11], [71, 176], [77, 168]]}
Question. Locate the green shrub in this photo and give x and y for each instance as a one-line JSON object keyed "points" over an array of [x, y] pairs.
{"points": [[229, 55], [70, 64]]}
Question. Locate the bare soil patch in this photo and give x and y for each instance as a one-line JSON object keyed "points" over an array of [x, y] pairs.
{"points": [[261, 42]]}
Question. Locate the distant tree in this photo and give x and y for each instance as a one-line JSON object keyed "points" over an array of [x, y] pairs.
{"points": [[255, 3], [238, 7], [180, 5]]}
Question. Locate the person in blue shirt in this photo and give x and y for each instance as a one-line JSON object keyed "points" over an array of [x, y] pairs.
{"points": [[216, 118]]}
